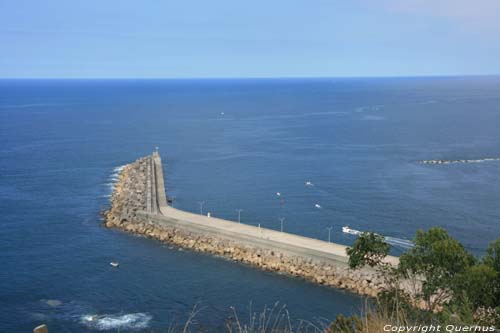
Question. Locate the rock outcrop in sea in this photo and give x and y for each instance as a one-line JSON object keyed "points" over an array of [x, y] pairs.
{"points": [[479, 160]]}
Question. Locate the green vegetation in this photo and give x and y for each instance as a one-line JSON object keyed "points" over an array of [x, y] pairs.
{"points": [[369, 249], [437, 282]]}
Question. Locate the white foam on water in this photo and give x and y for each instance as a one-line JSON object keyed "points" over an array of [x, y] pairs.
{"points": [[118, 169], [113, 178], [368, 108], [116, 172], [114, 321]]}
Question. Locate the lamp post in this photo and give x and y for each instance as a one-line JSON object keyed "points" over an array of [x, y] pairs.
{"points": [[329, 233], [201, 203], [282, 219], [239, 215]]}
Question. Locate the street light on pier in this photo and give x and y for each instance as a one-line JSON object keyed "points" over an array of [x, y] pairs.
{"points": [[201, 203], [282, 219], [329, 233], [239, 215]]}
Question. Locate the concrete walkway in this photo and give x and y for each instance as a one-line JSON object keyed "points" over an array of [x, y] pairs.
{"points": [[306, 243]]}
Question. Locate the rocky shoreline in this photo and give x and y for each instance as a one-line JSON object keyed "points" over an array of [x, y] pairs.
{"points": [[129, 194], [127, 212]]}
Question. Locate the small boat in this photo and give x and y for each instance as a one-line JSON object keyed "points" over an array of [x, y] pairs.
{"points": [[278, 194], [114, 263], [309, 183], [347, 230], [317, 205]]}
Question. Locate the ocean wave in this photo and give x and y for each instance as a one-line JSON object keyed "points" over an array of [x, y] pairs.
{"points": [[368, 108], [113, 178], [116, 172], [479, 160], [110, 321], [369, 117], [118, 169], [23, 106]]}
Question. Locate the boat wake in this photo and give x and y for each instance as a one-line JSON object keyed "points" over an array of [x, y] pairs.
{"points": [[112, 322], [404, 243], [399, 242], [479, 160]]}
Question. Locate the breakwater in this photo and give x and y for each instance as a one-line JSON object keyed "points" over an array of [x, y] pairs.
{"points": [[139, 206]]}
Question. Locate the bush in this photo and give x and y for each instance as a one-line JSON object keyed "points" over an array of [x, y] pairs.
{"points": [[438, 259], [479, 283], [457, 287], [369, 249]]}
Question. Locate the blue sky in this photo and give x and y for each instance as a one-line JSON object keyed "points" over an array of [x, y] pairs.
{"points": [[257, 38]]}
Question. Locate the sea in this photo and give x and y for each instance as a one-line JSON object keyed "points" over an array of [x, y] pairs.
{"points": [[320, 153]]}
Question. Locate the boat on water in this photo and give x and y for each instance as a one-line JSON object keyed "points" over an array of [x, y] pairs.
{"points": [[114, 263], [404, 243], [347, 230]]}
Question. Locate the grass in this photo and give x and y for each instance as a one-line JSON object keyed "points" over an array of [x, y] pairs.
{"points": [[275, 319]]}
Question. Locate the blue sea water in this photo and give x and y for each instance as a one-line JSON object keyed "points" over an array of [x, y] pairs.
{"points": [[233, 144]]}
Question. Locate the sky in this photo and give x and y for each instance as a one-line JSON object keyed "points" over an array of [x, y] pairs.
{"points": [[254, 38]]}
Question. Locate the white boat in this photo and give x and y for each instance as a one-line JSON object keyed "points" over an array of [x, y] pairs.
{"points": [[309, 184], [114, 263], [278, 194], [317, 205], [347, 230]]}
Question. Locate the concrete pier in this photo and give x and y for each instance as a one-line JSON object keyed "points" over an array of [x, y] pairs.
{"points": [[315, 260]]}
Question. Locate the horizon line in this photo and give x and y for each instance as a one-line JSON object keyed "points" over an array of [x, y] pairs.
{"points": [[255, 77]]}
